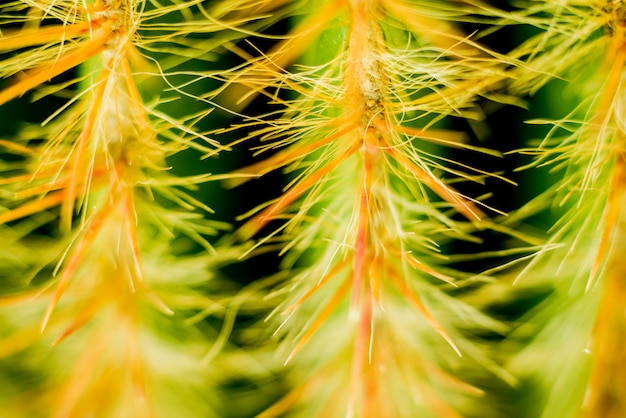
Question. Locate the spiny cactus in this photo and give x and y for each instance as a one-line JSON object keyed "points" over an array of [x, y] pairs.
{"points": [[402, 280]]}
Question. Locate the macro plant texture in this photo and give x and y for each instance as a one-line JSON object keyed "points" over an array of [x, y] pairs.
{"points": [[371, 203], [584, 314], [416, 208], [99, 292]]}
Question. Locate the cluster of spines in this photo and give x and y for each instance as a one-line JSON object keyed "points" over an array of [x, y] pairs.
{"points": [[93, 311], [365, 221], [584, 263], [370, 202]]}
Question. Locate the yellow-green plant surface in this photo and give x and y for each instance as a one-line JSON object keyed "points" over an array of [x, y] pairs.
{"points": [[578, 332], [407, 236], [371, 204], [99, 293]]}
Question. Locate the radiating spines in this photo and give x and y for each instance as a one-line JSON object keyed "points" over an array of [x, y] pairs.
{"points": [[396, 114], [570, 33], [124, 352], [362, 352], [95, 176], [50, 38], [586, 144], [429, 60], [582, 266], [105, 137], [370, 205]]}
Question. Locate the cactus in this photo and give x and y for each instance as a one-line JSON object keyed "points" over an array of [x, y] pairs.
{"points": [[311, 208]]}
